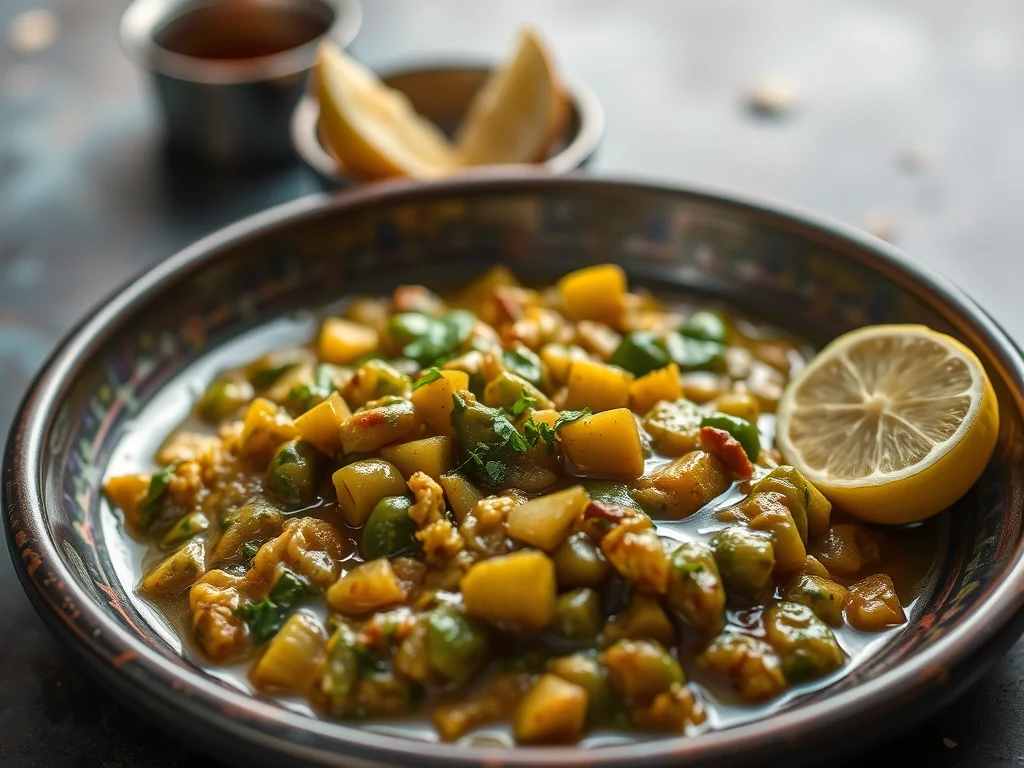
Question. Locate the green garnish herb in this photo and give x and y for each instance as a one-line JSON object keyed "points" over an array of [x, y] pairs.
{"points": [[429, 377], [523, 404], [536, 431], [249, 550], [434, 338], [266, 617], [150, 504], [523, 362]]}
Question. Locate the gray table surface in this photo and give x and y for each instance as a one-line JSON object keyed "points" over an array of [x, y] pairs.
{"points": [[89, 196]]}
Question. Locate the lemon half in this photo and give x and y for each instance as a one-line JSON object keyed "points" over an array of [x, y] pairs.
{"points": [[893, 423]]}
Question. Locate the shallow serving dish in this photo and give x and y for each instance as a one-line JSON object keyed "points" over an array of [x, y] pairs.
{"points": [[443, 94], [811, 276]]}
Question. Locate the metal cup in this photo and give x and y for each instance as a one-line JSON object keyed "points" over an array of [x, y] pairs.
{"points": [[229, 110]]}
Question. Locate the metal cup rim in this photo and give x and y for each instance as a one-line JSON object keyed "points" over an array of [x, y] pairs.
{"points": [[143, 18]]}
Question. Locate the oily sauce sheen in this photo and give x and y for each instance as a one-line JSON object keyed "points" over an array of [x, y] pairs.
{"points": [[507, 516]]}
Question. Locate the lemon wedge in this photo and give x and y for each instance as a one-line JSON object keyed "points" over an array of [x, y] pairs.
{"points": [[893, 423], [373, 130], [518, 112]]}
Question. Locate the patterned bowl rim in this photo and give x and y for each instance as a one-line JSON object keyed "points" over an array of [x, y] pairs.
{"points": [[154, 683]]}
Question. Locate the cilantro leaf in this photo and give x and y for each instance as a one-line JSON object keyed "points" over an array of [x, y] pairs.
{"points": [[458, 404], [522, 361], [523, 404], [568, 417], [266, 617], [249, 550], [497, 471], [433, 338], [429, 377], [150, 504]]}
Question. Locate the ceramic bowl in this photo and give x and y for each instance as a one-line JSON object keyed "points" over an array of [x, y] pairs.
{"points": [[442, 93], [815, 277]]}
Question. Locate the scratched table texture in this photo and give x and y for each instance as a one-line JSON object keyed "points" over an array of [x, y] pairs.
{"points": [[908, 120]]}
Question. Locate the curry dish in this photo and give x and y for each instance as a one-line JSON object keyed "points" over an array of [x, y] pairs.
{"points": [[552, 508]]}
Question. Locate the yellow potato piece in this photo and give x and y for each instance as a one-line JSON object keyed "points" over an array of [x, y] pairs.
{"points": [[647, 391], [517, 590], [433, 401], [593, 293], [553, 710], [342, 341], [320, 424], [597, 386], [605, 445], [546, 521], [432, 455], [292, 660]]}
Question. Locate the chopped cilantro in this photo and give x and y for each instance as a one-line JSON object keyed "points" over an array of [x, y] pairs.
{"points": [[150, 504], [523, 362], [434, 338], [266, 617], [249, 550], [523, 404], [568, 417], [497, 471], [429, 377]]}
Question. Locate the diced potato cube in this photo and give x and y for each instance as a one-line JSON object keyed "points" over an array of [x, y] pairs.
{"points": [[373, 380], [342, 342], [517, 590], [126, 493], [605, 445], [645, 619], [292, 660], [743, 405], [177, 572], [597, 386], [462, 494], [679, 489], [558, 358], [873, 605], [546, 521], [433, 401], [593, 293], [372, 429], [361, 484], [553, 711], [266, 427], [433, 456], [368, 587], [320, 425], [662, 384]]}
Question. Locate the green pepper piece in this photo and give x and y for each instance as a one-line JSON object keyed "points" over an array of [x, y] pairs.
{"points": [[706, 326], [294, 473], [807, 647], [389, 531], [745, 560], [579, 562], [695, 354], [640, 353], [586, 671], [185, 528], [223, 398], [524, 362], [456, 644], [612, 493], [695, 587], [578, 616], [742, 430]]}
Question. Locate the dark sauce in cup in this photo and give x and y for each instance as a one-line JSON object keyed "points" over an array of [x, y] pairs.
{"points": [[241, 29]]}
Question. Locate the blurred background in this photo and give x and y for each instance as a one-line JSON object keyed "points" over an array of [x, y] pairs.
{"points": [[901, 118]]}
